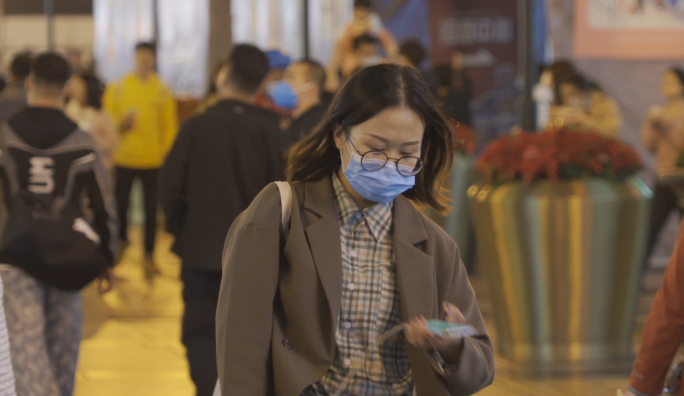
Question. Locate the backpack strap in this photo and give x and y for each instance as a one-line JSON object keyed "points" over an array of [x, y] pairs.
{"points": [[6, 160]]}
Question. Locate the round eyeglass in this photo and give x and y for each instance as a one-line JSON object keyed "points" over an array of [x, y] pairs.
{"points": [[375, 160]]}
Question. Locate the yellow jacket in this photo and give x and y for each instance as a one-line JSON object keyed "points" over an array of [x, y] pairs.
{"points": [[144, 146]]}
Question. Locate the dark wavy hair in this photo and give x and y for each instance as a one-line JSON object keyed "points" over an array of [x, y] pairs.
{"points": [[367, 93], [94, 90]]}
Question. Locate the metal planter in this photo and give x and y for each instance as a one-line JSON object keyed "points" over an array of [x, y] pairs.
{"points": [[457, 223], [563, 263]]}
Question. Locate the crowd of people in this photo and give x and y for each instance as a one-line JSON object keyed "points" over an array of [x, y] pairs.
{"points": [[72, 149]]}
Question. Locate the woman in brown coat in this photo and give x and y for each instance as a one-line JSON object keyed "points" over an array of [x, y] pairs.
{"points": [[337, 303]]}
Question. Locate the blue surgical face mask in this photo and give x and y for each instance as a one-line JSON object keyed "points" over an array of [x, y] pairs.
{"points": [[283, 95], [382, 185]]}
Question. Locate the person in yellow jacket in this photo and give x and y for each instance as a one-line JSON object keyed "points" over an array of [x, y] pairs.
{"points": [[144, 110]]}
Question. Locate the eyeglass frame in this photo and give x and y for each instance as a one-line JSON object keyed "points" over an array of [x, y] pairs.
{"points": [[395, 160]]}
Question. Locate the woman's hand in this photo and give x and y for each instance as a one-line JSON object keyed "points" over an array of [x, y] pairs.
{"points": [[418, 335]]}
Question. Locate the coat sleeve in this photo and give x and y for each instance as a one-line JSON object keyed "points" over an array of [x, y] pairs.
{"points": [[664, 329], [245, 309], [169, 127], [471, 366], [173, 181]]}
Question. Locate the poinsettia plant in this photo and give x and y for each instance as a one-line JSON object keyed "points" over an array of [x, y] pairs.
{"points": [[462, 136], [557, 155]]}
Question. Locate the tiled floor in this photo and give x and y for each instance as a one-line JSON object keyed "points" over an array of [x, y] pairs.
{"points": [[131, 345]]}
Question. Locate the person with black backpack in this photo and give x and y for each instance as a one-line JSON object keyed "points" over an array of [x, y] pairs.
{"points": [[59, 233]]}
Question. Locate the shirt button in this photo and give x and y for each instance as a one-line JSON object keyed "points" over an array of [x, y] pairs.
{"points": [[346, 362], [347, 325], [351, 287], [352, 253], [359, 216]]}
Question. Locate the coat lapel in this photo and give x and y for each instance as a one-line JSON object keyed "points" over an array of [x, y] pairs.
{"points": [[415, 269], [323, 234]]}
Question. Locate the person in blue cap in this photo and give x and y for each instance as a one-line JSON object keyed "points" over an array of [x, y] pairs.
{"points": [[278, 62]]}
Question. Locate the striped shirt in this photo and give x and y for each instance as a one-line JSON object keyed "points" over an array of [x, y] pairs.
{"points": [[370, 305]]}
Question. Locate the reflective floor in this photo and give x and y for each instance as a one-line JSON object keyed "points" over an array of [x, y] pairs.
{"points": [[131, 341]]}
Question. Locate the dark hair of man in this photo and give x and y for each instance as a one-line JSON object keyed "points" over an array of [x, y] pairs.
{"points": [[315, 72], [413, 51], [367, 93], [363, 4], [21, 65], [248, 66], [364, 39], [50, 71], [146, 46], [94, 90]]}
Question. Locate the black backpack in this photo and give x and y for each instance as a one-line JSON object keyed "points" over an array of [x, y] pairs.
{"points": [[45, 235]]}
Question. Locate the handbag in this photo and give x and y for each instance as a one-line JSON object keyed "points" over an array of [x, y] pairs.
{"points": [[46, 236], [285, 190]]}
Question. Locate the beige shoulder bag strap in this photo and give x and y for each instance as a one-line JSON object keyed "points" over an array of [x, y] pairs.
{"points": [[286, 209]]}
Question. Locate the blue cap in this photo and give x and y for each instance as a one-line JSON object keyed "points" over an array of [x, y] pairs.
{"points": [[277, 60]]}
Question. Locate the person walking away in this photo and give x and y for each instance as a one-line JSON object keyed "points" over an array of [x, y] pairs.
{"points": [[144, 110], [59, 234], [304, 310], [301, 90], [219, 163], [85, 109], [664, 330], [454, 89], [13, 97], [663, 135]]}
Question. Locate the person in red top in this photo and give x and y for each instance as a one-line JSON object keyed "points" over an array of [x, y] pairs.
{"points": [[664, 330]]}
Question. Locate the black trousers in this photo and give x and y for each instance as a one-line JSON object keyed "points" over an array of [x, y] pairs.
{"points": [[200, 295], [664, 201], [124, 182]]}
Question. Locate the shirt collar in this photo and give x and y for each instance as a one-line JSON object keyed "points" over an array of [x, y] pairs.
{"points": [[378, 217]]}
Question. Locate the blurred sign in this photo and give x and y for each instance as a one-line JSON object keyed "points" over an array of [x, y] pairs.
{"points": [[183, 45], [484, 32], [119, 25], [270, 24], [629, 29]]}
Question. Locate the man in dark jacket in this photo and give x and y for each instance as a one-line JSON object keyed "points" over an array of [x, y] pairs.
{"points": [[13, 97], [220, 161], [50, 166], [307, 79]]}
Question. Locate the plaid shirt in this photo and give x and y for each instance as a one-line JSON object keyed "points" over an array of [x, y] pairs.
{"points": [[370, 305]]}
